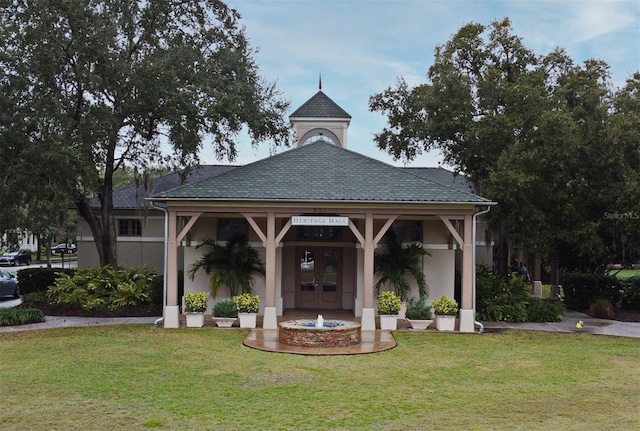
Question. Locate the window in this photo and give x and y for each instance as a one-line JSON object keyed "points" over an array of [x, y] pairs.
{"points": [[318, 233], [319, 135], [129, 227], [228, 227], [408, 230], [414, 230]]}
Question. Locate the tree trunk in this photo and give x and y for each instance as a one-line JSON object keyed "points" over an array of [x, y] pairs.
{"points": [[502, 253], [39, 250], [103, 230], [103, 225]]}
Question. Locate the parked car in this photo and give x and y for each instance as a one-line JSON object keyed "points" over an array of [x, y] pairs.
{"points": [[16, 258], [64, 248], [8, 284]]}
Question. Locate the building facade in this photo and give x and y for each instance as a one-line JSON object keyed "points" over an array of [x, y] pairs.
{"points": [[316, 214]]}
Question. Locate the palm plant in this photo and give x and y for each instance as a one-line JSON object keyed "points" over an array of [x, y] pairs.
{"points": [[231, 265], [395, 261]]}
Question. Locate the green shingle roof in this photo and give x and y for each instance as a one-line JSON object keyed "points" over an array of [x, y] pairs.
{"points": [[320, 106], [324, 172]]}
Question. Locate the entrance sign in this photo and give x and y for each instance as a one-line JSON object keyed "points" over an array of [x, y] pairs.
{"points": [[319, 221]]}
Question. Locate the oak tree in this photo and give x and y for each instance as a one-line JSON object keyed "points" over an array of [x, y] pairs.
{"points": [[533, 132], [103, 84]]}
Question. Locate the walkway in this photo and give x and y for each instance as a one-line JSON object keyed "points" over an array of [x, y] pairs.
{"points": [[568, 324]]}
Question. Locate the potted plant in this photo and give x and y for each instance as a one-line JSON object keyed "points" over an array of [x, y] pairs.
{"points": [[419, 313], [195, 304], [231, 265], [388, 308], [393, 264], [248, 306], [225, 313], [446, 310]]}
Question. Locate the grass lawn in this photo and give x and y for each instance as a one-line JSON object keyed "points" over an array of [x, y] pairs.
{"points": [[625, 274], [139, 377]]}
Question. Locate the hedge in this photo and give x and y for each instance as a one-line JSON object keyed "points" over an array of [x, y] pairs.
{"points": [[39, 279], [630, 295], [20, 316], [581, 290]]}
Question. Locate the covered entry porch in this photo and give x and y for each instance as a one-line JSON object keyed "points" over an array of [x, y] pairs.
{"points": [[334, 272], [322, 198]]}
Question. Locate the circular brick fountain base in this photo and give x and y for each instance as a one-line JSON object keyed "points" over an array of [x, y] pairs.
{"points": [[334, 333]]}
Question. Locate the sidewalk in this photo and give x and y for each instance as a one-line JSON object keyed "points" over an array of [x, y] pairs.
{"points": [[74, 322], [568, 324]]}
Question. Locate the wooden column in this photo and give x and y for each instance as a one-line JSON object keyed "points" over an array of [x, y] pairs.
{"points": [[270, 312], [172, 310], [467, 315], [368, 313], [270, 262], [369, 251]]}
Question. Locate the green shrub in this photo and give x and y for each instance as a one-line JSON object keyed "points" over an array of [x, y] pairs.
{"points": [[225, 308], [20, 316], [103, 288], [39, 279], [545, 310], [156, 291], [388, 303], [582, 290], [34, 299], [134, 287], [156, 295], [195, 302], [247, 303], [501, 298], [418, 309], [630, 294], [601, 309]]}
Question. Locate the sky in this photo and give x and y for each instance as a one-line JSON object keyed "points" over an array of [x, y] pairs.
{"points": [[361, 47]]}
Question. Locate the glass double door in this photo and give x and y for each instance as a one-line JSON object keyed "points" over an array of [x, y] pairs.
{"points": [[318, 278]]}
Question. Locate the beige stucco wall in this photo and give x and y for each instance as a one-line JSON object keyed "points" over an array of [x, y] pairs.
{"points": [[440, 273], [133, 251], [149, 249], [439, 269], [200, 280], [435, 232]]}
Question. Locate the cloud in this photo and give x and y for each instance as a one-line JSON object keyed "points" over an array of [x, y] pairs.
{"points": [[361, 47]]}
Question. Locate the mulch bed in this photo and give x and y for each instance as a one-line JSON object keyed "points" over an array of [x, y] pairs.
{"points": [[626, 316]]}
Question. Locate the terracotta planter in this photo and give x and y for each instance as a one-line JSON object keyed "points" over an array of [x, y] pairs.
{"points": [[247, 320], [195, 320], [224, 322], [445, 323], [388, 322], [419, 325]]}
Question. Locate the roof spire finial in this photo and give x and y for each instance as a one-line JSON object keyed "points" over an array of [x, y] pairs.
{"points": [[320, 81]]}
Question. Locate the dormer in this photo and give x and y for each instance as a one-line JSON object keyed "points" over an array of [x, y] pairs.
{"points": [[320, 118]]}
